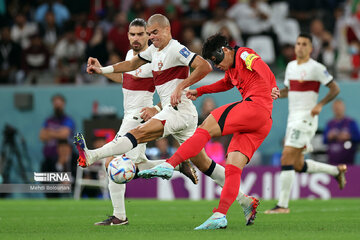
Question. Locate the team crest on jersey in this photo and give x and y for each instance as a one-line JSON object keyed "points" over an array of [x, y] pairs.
{"points": [[185, 52], [137, 72], [160, 64]]}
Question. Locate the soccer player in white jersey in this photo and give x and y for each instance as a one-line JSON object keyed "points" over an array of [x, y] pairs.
{"points": [[138, 90], [170, 62], [303, 78]]}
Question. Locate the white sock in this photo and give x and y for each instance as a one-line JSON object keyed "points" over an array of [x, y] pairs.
{"points": [[153, 163], [118, 146], [318, 167], [117, 194], [218, 175], [218, 215], [286, 180]]}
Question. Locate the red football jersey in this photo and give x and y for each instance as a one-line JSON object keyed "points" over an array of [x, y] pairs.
{"points": [[250, 75]]}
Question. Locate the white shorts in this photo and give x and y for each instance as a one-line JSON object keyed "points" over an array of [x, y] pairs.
{"points": [[180, 125], [137, 155], [300, 132]]}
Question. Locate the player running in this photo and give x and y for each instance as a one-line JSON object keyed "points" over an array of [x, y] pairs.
{"points": [[303, 77], [248, 120], [170, 62], [138, 90]]}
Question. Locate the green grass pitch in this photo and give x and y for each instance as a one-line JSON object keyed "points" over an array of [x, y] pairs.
{"points": [[152, 219]]}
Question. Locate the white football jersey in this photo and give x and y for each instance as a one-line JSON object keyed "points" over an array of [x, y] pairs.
{"points": [[138, 87], [170, 66], [303, 82]]}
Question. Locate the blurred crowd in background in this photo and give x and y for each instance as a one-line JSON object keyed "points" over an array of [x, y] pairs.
{"points": [[48, 41]]}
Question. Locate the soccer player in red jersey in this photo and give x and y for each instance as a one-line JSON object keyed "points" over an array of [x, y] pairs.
{"points": [[248, 120]]}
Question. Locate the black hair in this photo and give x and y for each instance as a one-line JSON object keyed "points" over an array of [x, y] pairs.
{"points": [[138, 22], [58, 95], [212, 48], [306, 35]]}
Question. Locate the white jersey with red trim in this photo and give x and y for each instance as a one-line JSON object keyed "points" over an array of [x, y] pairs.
{"points": [[138, 87], [303, 82], [170, 66]]}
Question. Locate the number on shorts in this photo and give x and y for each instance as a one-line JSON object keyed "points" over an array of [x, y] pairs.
{"points": [[295, 134]]}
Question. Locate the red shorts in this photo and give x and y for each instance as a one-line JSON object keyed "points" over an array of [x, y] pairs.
{"points": [[249, 122]]}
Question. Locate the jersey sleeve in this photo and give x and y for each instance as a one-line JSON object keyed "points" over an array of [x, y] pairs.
{"points": [[248, 56], [219, 86], [147, 54], [184, 55], [286, 80], [323, 75]]}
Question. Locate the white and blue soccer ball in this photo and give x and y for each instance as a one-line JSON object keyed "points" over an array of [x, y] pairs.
{"points": [[121, 170]]}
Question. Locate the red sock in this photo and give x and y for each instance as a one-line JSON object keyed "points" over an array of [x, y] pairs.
{"points": [[191, 147], [230, 189]]}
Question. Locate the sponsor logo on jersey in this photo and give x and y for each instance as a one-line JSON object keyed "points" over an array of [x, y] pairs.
{"points": [[185, 52], [137, 72]]}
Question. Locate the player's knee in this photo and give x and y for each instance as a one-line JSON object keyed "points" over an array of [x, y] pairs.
{"points": [[286, 158]]}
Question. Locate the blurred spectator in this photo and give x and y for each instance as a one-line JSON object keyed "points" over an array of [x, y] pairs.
{"points": [[191, 41], [215, 148], [56, 127], [22, 30], [49, 31], [84, 27], [207, 105], [304, 11], [218, 21], [195, 17], [138, 10], [174, 13], [69, 54], [162, 150], [61, 12], [287, 54], [35, 61], [10, 57], [117, 37], [97, 46], [225, 31], [64, 162], [342, 136], [252, 17]]}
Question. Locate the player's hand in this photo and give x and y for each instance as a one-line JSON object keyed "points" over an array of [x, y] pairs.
{"points": [[316, 110], [176, 97], [93, 61], [275, 93], [192, 94], [148, 112], [93, 69]]}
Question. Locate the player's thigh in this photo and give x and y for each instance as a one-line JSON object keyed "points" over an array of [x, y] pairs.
{"points": [[201, 161], [151, 130], [180, 125], [128, 124], [248, 142], [244, 116], [211, 125]]}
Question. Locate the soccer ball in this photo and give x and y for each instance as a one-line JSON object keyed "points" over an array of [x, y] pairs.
{"points": [[121, 170]]}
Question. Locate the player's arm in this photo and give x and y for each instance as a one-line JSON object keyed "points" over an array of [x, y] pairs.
{"points": [[121, 67], [201, 69], [333, 92], [284, 92], [116, 77]]}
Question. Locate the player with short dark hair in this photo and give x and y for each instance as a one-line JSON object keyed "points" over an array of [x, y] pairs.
{"points": [[170, 62], [138, 90], [303, 78], [248, 120]]}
